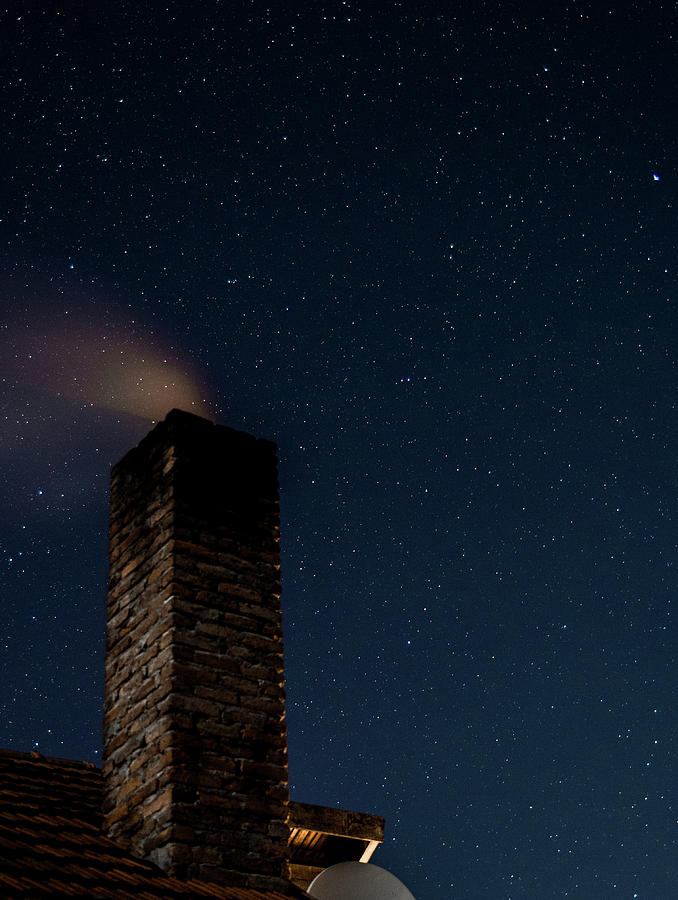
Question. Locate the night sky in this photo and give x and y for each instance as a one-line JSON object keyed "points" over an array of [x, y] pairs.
{"points": [[430, 250]]}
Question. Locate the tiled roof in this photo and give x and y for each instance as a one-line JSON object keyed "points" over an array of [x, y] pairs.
{"points": [[52, 845]]}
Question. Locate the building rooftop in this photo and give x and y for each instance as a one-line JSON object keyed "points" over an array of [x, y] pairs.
{"points": [[52, 843], [193, 799]]}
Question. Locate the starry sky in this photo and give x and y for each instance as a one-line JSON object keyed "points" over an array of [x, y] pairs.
{"points": [[429, 249]]}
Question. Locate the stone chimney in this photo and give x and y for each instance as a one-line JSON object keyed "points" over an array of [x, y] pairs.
{"points": [[195, 750]]}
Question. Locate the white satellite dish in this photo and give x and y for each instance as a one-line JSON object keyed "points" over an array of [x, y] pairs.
{"points": [[357, 881]]}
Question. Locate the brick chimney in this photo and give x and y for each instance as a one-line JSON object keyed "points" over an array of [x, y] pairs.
{"points": [[195, 750]]}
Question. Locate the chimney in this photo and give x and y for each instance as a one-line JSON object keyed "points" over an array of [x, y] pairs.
{"points": [[195, 749]]}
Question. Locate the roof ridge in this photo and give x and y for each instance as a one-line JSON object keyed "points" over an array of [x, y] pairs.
{"points": [[36, 756]]}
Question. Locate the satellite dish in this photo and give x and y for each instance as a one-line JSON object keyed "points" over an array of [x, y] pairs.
{"points": [[357, 881]]}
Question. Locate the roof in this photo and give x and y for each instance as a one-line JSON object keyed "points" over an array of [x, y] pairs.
{"points": [[321, 836], [52, 844]]}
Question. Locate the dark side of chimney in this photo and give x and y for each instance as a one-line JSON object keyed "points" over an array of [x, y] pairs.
{"points": [[195, 751]]}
